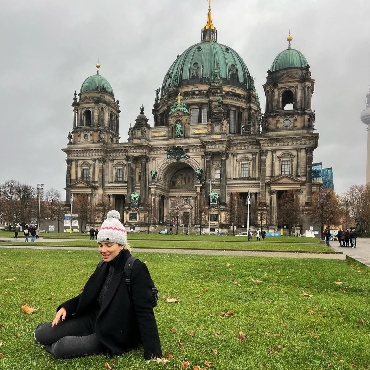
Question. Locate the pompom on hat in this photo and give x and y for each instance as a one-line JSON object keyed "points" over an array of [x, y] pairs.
{"points": [[112, 230]]}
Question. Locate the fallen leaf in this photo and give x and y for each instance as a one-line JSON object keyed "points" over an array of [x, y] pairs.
{"points": [[205, 290], [27, 309], [1, 356], [339, 282], [171, 300], [361, 321], [235, 282], [159, 360], [185, 364], [214, 352], [179, 342], [228, 265], [216, 334], [196, 367], [256, 281], [242, 336], [208, 364], [172, 330], [227, 313], [168, 355], [304, 294], [192, 333], [107, 366]]}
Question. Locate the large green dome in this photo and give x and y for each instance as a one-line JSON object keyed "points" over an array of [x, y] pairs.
{"points": [[96, 83], [289, 58], [203, 63]]}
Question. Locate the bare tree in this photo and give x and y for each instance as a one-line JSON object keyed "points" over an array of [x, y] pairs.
{"points": [[289, 210], [19, 202], [236, 211], [325, 208], [356, 207], [82, 207]]}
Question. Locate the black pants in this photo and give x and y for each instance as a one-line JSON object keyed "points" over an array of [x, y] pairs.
{"points": [[71, 338]]}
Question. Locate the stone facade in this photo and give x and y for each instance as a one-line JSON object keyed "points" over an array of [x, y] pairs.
{"points": [[209, 153]]}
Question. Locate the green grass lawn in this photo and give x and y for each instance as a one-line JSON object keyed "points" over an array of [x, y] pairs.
{"points": [[284, 244], [233, 313]]}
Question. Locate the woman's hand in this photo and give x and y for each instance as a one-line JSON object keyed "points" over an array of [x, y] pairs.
{"points": [[61, 315]]}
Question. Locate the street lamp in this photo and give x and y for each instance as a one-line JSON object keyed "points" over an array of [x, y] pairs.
{"points": [[70, 225], [40, 187]]}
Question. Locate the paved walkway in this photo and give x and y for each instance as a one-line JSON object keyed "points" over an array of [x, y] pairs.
{"points": [[361, 253]]}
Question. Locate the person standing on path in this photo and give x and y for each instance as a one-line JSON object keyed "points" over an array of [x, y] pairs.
{"points": [[353, 237], [26, 233]]}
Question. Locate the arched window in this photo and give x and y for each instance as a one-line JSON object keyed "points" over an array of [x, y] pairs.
{"points": [[287, 100], [87, 117]]}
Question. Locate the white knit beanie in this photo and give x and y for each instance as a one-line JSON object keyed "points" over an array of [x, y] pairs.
{"points": [[112, 230]]}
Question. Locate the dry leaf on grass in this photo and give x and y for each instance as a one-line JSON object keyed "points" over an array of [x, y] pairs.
{"points": [[227, 313], [185, 364], [107, 366], [242, 336], [304, 294], [171, 300], [27, 309]]}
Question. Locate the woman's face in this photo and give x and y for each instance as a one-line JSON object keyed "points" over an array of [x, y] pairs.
{"points": [[109, 250]]}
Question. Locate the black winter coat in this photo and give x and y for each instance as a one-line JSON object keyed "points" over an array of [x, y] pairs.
{"points": [[120, 324]]}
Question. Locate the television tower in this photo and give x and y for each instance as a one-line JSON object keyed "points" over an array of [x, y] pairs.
{"points": [[365, 118]]}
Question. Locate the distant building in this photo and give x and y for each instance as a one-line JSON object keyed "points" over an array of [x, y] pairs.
{"points": [[322, 176], [365, 118], [209, 139]]}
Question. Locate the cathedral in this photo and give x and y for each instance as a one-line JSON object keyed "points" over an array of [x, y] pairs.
{"points": [[211, 161]]}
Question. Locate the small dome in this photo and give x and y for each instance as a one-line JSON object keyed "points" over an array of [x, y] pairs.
{"points": [[289, 58], [365, 116], [96, 83], [205, 61]]}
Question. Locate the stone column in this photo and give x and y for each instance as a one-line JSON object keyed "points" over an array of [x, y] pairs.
{"points": [[254, 166], [273, 161], [309, 152], [75, 112], [143, 180], [273, 212], [76, 169], [223, 181], [263, 156], [208, 171], [130, 180], [93, 171]]}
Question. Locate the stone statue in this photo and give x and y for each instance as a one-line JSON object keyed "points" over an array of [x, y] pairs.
{"points": [[134, 199], [178, 129], [142, 109], [69, 137], [199, 173], [213, 198], [154, 174]]}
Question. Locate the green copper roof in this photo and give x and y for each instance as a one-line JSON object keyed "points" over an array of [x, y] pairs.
{"points": [[289, 58], [205, 62], [179, 106], [96, 83]]}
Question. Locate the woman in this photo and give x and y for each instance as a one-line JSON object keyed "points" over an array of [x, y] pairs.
{"points": [[105, 318]]}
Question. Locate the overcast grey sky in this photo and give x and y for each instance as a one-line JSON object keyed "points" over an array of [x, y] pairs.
{"points": [[49, 47]]}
